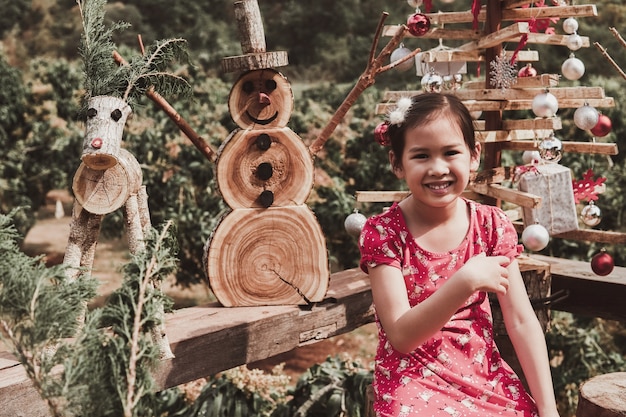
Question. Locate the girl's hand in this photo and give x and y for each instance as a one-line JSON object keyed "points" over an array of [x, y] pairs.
{"points": [[485, 273]]}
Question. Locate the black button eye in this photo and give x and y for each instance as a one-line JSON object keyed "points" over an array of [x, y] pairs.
{"points": [[270, 85], [116, 114], [248, 87], [91, 112]]}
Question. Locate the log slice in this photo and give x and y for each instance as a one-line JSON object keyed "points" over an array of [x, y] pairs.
{"points": [[274, 256], [603, 396], [253, 161]]}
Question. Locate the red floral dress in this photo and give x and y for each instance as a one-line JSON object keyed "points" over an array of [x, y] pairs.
{"points": [[459, 371]]}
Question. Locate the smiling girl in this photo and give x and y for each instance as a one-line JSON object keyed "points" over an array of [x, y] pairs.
{"points": [[432, 258]]}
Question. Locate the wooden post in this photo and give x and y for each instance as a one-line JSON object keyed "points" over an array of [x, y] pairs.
{"points": [[250, 26]]}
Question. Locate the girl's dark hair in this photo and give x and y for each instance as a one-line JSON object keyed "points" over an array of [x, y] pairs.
{"points": [[424, 108]]}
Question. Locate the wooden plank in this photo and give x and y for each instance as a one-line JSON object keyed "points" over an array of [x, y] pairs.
{"points": [[520, 198], [381, 196], [561, 40], [539, 81], [583, 10], [473, 56], [538, 123], [589, 235], [597, 148], [506, 136], [589, 294], [508, 33]]}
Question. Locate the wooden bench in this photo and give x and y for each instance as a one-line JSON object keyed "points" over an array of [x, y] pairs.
{"points": [[209, 339]]}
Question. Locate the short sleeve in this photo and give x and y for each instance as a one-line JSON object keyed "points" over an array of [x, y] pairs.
{"points": [[380, 242], [503, 235]]}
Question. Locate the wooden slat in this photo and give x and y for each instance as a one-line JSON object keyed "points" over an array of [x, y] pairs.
{"points": [[589, 235], [380, 196], [509, 33], [511, 195], [561, 40], [589, 294], [507, 136], [550, 123], [473, 56], [583, 10], [596, 148], [539, 81]]}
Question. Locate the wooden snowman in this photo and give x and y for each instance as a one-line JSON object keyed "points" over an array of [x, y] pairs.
{"points": [[269, 249]]}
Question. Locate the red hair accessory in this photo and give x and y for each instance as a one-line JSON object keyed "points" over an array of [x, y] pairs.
{"points": [[380, 133]]}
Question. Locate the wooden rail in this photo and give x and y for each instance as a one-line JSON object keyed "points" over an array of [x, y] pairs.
{"points": [[209, 339]]}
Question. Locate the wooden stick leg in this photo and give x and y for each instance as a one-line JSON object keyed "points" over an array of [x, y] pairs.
{"points": [[137, 222], [81, 245]]}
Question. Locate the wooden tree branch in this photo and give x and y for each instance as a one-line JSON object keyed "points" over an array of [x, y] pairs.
{"points": [[182, 124], [618, 37], [606, 55], [374, 67]]}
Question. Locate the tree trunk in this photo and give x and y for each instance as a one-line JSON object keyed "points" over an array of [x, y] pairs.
{"points": [[603, 396]]}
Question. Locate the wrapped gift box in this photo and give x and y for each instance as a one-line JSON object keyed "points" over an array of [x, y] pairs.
{"points": [[557, 211]]}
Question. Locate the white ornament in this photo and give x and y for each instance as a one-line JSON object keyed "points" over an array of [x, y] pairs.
{"points": [[545, 105], [573, 68], [354, 223], [586, 117], [531, 157], [574, 42], [400, 53], [570, 25], [535, 237], [415, 3]]}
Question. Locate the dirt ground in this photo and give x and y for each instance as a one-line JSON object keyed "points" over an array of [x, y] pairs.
{"points": [[49, 237]]}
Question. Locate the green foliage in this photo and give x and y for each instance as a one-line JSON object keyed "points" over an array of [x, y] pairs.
{"points": [[107, 369], [580, 348], [336, 387]]}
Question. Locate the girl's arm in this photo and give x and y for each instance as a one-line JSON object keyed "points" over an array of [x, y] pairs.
{"points": [[407, 327], [529, 341]]}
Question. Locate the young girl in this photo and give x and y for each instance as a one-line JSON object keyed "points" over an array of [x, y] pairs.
{"points": [[432, 258]]}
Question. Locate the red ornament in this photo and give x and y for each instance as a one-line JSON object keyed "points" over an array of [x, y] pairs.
{"points": [[527, 71], [603, 127], [418, 24], [380, 134], [602, 263]]}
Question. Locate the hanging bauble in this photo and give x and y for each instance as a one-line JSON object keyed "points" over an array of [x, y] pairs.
{"points": [[603, 127], [573, 68], [535, 237], [399, 53], [415, 3], [602, 263], [432, 83], [527, 71], [476, 114], [418, 24], [531, 157], [570, 25], [574, 42], [591, 215], [545, 105], [586, 117], [551, 149], [354, 223]]}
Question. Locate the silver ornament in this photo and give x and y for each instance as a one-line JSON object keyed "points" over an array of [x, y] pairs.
{"points": [[354, 223], [586, 117], [574, 42], [535, 237], [415, 3], [545, 105], [570, 25], [591, 215], [432, 83], [551, 149], [399, 53], [573, 68]]}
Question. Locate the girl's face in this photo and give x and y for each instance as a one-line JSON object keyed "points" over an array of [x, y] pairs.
{"points": [[436, 162]]}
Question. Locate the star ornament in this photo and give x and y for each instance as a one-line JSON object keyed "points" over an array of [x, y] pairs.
{"points": [[588, 188]]}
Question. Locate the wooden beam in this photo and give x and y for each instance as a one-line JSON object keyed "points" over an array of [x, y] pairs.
{"points": [[381, 196], [596, 148], [539, 81], [511, 195], [473, 56], [588, 294], [589, 235], [496, 38]]}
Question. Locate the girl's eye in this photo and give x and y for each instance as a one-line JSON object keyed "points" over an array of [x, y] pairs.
{"points": [[452, 153], [420, 156]]}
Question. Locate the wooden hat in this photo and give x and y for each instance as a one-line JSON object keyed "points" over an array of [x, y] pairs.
{"points": [[252, 38]]}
